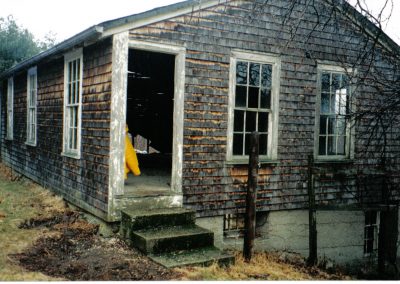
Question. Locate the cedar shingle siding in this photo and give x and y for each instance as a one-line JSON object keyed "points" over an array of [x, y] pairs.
{"points": [[210, 184], [84, 180]]}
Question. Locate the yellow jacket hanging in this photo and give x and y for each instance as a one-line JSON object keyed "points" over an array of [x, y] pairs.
{"points": [[131, 160]]}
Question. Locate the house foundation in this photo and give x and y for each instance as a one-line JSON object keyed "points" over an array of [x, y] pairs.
{"points": [[341, 234]]}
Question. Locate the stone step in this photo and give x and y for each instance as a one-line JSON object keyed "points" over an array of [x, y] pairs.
{"points": [[169, 239], [195, 257], [139, 219]]}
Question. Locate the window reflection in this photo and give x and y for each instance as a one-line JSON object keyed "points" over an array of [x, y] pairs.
{"points": [[252, 105], [333, 111]]}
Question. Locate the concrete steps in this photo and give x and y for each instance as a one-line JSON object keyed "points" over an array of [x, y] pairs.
{"points": [[196, 257], [170, 237]]}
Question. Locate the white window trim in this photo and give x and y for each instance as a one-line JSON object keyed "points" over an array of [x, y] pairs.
{"points": [[350, 133], [68, 57], [10, 109], [31, 72], [264, 58]]}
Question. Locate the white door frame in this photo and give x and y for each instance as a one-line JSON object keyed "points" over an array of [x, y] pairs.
{"points": [[178, 113], [120, 59]]}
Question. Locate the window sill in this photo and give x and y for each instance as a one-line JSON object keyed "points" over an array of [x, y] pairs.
{"points": [[9, 139], [71, 155], [334, 161], [30, 144], [246, 162]]}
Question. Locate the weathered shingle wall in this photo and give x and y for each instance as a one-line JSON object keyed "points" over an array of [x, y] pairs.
{"points": [[212, 186], [83, 181]]}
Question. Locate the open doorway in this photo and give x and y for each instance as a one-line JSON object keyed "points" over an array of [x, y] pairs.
{"points": [[150, 116]]}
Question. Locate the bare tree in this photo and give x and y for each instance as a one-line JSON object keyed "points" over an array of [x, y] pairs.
{"points": [[372, 66]]}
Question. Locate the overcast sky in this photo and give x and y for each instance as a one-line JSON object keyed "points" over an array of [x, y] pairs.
{"points": [[67, 18]]}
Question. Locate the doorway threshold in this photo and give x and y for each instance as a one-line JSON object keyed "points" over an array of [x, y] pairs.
{"points": [[150, 190], [148, 184]]}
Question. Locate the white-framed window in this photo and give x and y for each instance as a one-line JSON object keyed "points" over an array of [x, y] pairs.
{"points": [[371, 230], [10, 109], [253, 104], [333, 124], [73, 69], [31, 117]]}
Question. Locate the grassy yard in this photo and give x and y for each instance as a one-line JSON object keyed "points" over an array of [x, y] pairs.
{"points": [[93, 257], [263, 266], [21, 200]]}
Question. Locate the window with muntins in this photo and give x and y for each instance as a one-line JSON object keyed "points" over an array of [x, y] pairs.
{"points": [[31, 107], [254, 107], [371, 232], [334, 126], [10, 109], [72, 104]]}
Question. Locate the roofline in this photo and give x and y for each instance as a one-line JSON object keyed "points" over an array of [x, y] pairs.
{"points": [[89, 33], [112, 27], [373, 30], [156, 15], [118, 25]]}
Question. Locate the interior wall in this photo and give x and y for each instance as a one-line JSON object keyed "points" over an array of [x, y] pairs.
{"points": [[150, 100]]}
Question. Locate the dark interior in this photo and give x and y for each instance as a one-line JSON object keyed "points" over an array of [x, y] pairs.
{"points": [[150, 107]]}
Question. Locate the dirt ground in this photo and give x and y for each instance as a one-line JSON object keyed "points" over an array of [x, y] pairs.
{"points": [[41, 238], [76, 252]]}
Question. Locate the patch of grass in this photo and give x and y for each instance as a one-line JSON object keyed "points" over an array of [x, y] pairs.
{"points": [[263, 266], [21, 200]]}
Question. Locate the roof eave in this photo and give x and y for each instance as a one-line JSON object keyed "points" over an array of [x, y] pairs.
{"points": [[88, 34], [370, 28]]}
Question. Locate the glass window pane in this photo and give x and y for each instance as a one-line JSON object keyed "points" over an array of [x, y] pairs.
{"points": [[238, 144], [341, 100], [69, 93], [253, 97], [322, 145], [323, 125], [70, 72], [263, 148], [76, 117], [75, 139], [71, 117], [74, 71], [341, 126], [334, 104], [331, 145], [336, 82], [341, 145], [263, 122], [265, 99], [266, 79], [369, 244], [324, 103], [73, 93], [345, 82], [78, 86], [247, 144], [78, 71], [251, 121], [239, 121], [331, 125], [325, 81], [241, 72], [255, 74], [241, 96], [71, 133]]}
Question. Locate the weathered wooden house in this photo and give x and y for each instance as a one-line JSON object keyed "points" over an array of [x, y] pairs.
{"points": [[193, 80]]}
